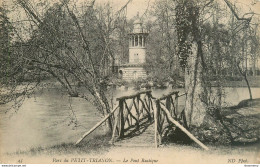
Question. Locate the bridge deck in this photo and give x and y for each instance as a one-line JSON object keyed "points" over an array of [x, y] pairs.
{"points": [[142, 138]]}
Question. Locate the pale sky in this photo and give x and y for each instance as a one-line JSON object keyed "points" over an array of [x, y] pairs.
{"points": [[133, 7], [136, 6], [142, 5]]}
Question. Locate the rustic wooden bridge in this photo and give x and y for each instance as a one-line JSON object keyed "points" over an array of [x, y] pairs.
{"points": [[135, 114]]}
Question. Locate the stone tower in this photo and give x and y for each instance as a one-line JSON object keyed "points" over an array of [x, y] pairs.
{"points": [[137, 43], [137, 53]]}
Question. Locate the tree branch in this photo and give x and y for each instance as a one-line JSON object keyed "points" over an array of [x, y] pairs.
{"points": [[235, 14]]}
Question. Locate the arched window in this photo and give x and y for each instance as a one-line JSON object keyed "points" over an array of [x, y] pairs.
{"points": [[136, 40], [144, 42], [140, 40], [130, 41]]}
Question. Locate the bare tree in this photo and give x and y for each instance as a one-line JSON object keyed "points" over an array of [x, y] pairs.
{"points": [[72, 46]]}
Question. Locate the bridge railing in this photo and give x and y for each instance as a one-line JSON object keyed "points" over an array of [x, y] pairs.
{"points": [[132, 110], [167, 109], [171, 102], [143, 107], [127, 115]]}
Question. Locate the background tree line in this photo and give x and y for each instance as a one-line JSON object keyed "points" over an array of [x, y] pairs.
{"points": [[77, 44]]}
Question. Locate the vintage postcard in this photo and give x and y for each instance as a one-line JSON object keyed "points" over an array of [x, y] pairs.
{"points": [[130, 82]]}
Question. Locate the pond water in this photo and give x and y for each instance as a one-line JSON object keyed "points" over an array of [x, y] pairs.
{"points": [[44, 119]]}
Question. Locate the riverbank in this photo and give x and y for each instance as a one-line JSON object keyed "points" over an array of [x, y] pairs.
{"points": [[237, 81], [253, 82], [93, 148]]}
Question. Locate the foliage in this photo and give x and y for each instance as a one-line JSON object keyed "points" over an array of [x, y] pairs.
{"points": [[73, 46], [187, 15]]}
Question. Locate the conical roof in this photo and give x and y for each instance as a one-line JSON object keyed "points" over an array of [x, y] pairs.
{"points": [[138, 19]]}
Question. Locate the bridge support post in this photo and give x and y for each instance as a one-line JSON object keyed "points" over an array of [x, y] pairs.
{"points": [[136, 105], [121, 118], [138, 109], [115, 127], [176, 103], [156, 124], [168, 106]]}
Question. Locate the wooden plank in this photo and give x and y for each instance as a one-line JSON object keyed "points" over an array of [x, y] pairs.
{"points": [[130, 106], [168, 106], [96, 126], [129, 111], [174, 108], [161, 121], [168, 103], [182, 128], [142, 104], [182, 95], [169, 94], [159, 125], [184, 118], [126, 113], [138, 105], [134, 95], [126, 116], [155, 126], [148, 106], [147, 111], [137, 112], [127, 120], [141, 108], [114, 128], [121, 119], [176, 104], [158, 109]]}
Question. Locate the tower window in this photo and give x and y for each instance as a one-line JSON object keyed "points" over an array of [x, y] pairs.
{"points": [[132, 38], [136, 40], [130, 41], [140, 40]]}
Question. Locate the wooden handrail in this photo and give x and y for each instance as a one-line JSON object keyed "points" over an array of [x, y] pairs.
{"points": [[146, 105], [97, 125], [182, 95], [168, 114], [167, 95], [134, 95], [156, 126]]}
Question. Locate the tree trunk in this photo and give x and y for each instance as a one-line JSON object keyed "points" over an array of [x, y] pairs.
{"points": [[248, 86], [244, 74], [195, 108], [105, 107]]}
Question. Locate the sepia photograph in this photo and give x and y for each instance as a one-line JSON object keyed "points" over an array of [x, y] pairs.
{"points": [[130, 82]]}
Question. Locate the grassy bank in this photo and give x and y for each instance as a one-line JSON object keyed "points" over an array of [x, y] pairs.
{"points": [[253, 82], [98, 144], [244, 104]]}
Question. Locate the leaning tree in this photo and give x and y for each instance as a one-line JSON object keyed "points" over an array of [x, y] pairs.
{"points": [[70, 42]]}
